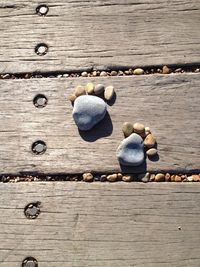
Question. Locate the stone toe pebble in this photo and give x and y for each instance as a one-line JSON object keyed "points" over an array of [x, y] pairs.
{"points": [[79, 90], [150, 141], [88, 111], [127, 129], [99, 89], [131, 151], [109, 92]]}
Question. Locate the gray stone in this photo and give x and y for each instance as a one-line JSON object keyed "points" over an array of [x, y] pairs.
{"points": [[88, 111], [131, 151]]}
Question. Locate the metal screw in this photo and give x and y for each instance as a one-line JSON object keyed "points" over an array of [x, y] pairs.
{"points": [[41, 49], [39, 147], [32, 210], [42, 10], [30, 262], [40, 101]]}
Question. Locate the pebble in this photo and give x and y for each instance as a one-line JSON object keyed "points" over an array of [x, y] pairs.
{"points": [[84, 74], [99, 89], [152, 177], [190, 178], [103, 178], [196, 178], [88, 111], [131, 151], [79, 90], [72, 98], [165, 70], [109, 92], [119, 176], [127, 178], [147, 131], [152, 152], [144, 177], [139, 128], [103, 73], [178, 70], [113, 73], [167, 177], [138, 71], [160, 177], [197, 70], [66, 75], [178, 178], [112, 177], [88, 177], [120, 73], [149, 141], [127, 129], [89, 88]]}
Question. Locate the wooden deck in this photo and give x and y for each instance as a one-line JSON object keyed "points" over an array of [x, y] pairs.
{"points": [[99, 224]]}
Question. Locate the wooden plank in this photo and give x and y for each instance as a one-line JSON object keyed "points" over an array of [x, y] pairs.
{"points": [[169, 105], [98, 34], [101, 224]]}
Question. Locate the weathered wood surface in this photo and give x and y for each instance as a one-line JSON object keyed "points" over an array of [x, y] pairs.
{"points": [[85, 34], [169, 105], [101, 225]]}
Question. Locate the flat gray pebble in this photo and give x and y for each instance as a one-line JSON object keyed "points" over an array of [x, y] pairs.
{"points": [[131, 151], [88, 111]]}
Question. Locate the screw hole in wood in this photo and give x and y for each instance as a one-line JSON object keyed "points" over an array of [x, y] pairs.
{"points": [[40, 101], [32, 210], [30, 262], [41, 49], [39, 147], [42, 10]]}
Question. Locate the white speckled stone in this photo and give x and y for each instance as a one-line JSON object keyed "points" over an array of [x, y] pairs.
{"points": [[131, 151], [88, 111]]}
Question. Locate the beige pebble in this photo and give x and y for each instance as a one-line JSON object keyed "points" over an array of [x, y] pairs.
{"points": [[147, 131], [160, 177], [167, 177], [109, 92], [112, 177], [149, 141], [99, 89], [173, 178], [127, 178], [165, 70], [84, 74], [89, 88], [144, 177], [72, 98], [138, 71], [103, 73], [113, 73], [152, 177], [190, 178], [178, 178], [119, 176], [127, 129], [88, 177], [152, 152], [196, 178], [79, 90], [138, 128]]}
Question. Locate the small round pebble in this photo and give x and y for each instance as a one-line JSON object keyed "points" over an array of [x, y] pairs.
{"points": [[138, 128], [165, 70], [127, 178], [144, 177], [147, 131], [196, 178], [167, 177], [89, 88], [72, 98], [152, 152], [99, 89], [152, 177], [149, 141], [178, 178], [112, 177], [160, 177], [84, 74], [109, 92], [113, 73], [190, 178], [79, 90], [127, 129], [103, 178], [103, 74], [88, 177], [138, 71]]}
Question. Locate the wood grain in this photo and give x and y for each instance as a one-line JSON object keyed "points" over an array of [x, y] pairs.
{"points": [[98, 34], [169, 105], [101, 224]]}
